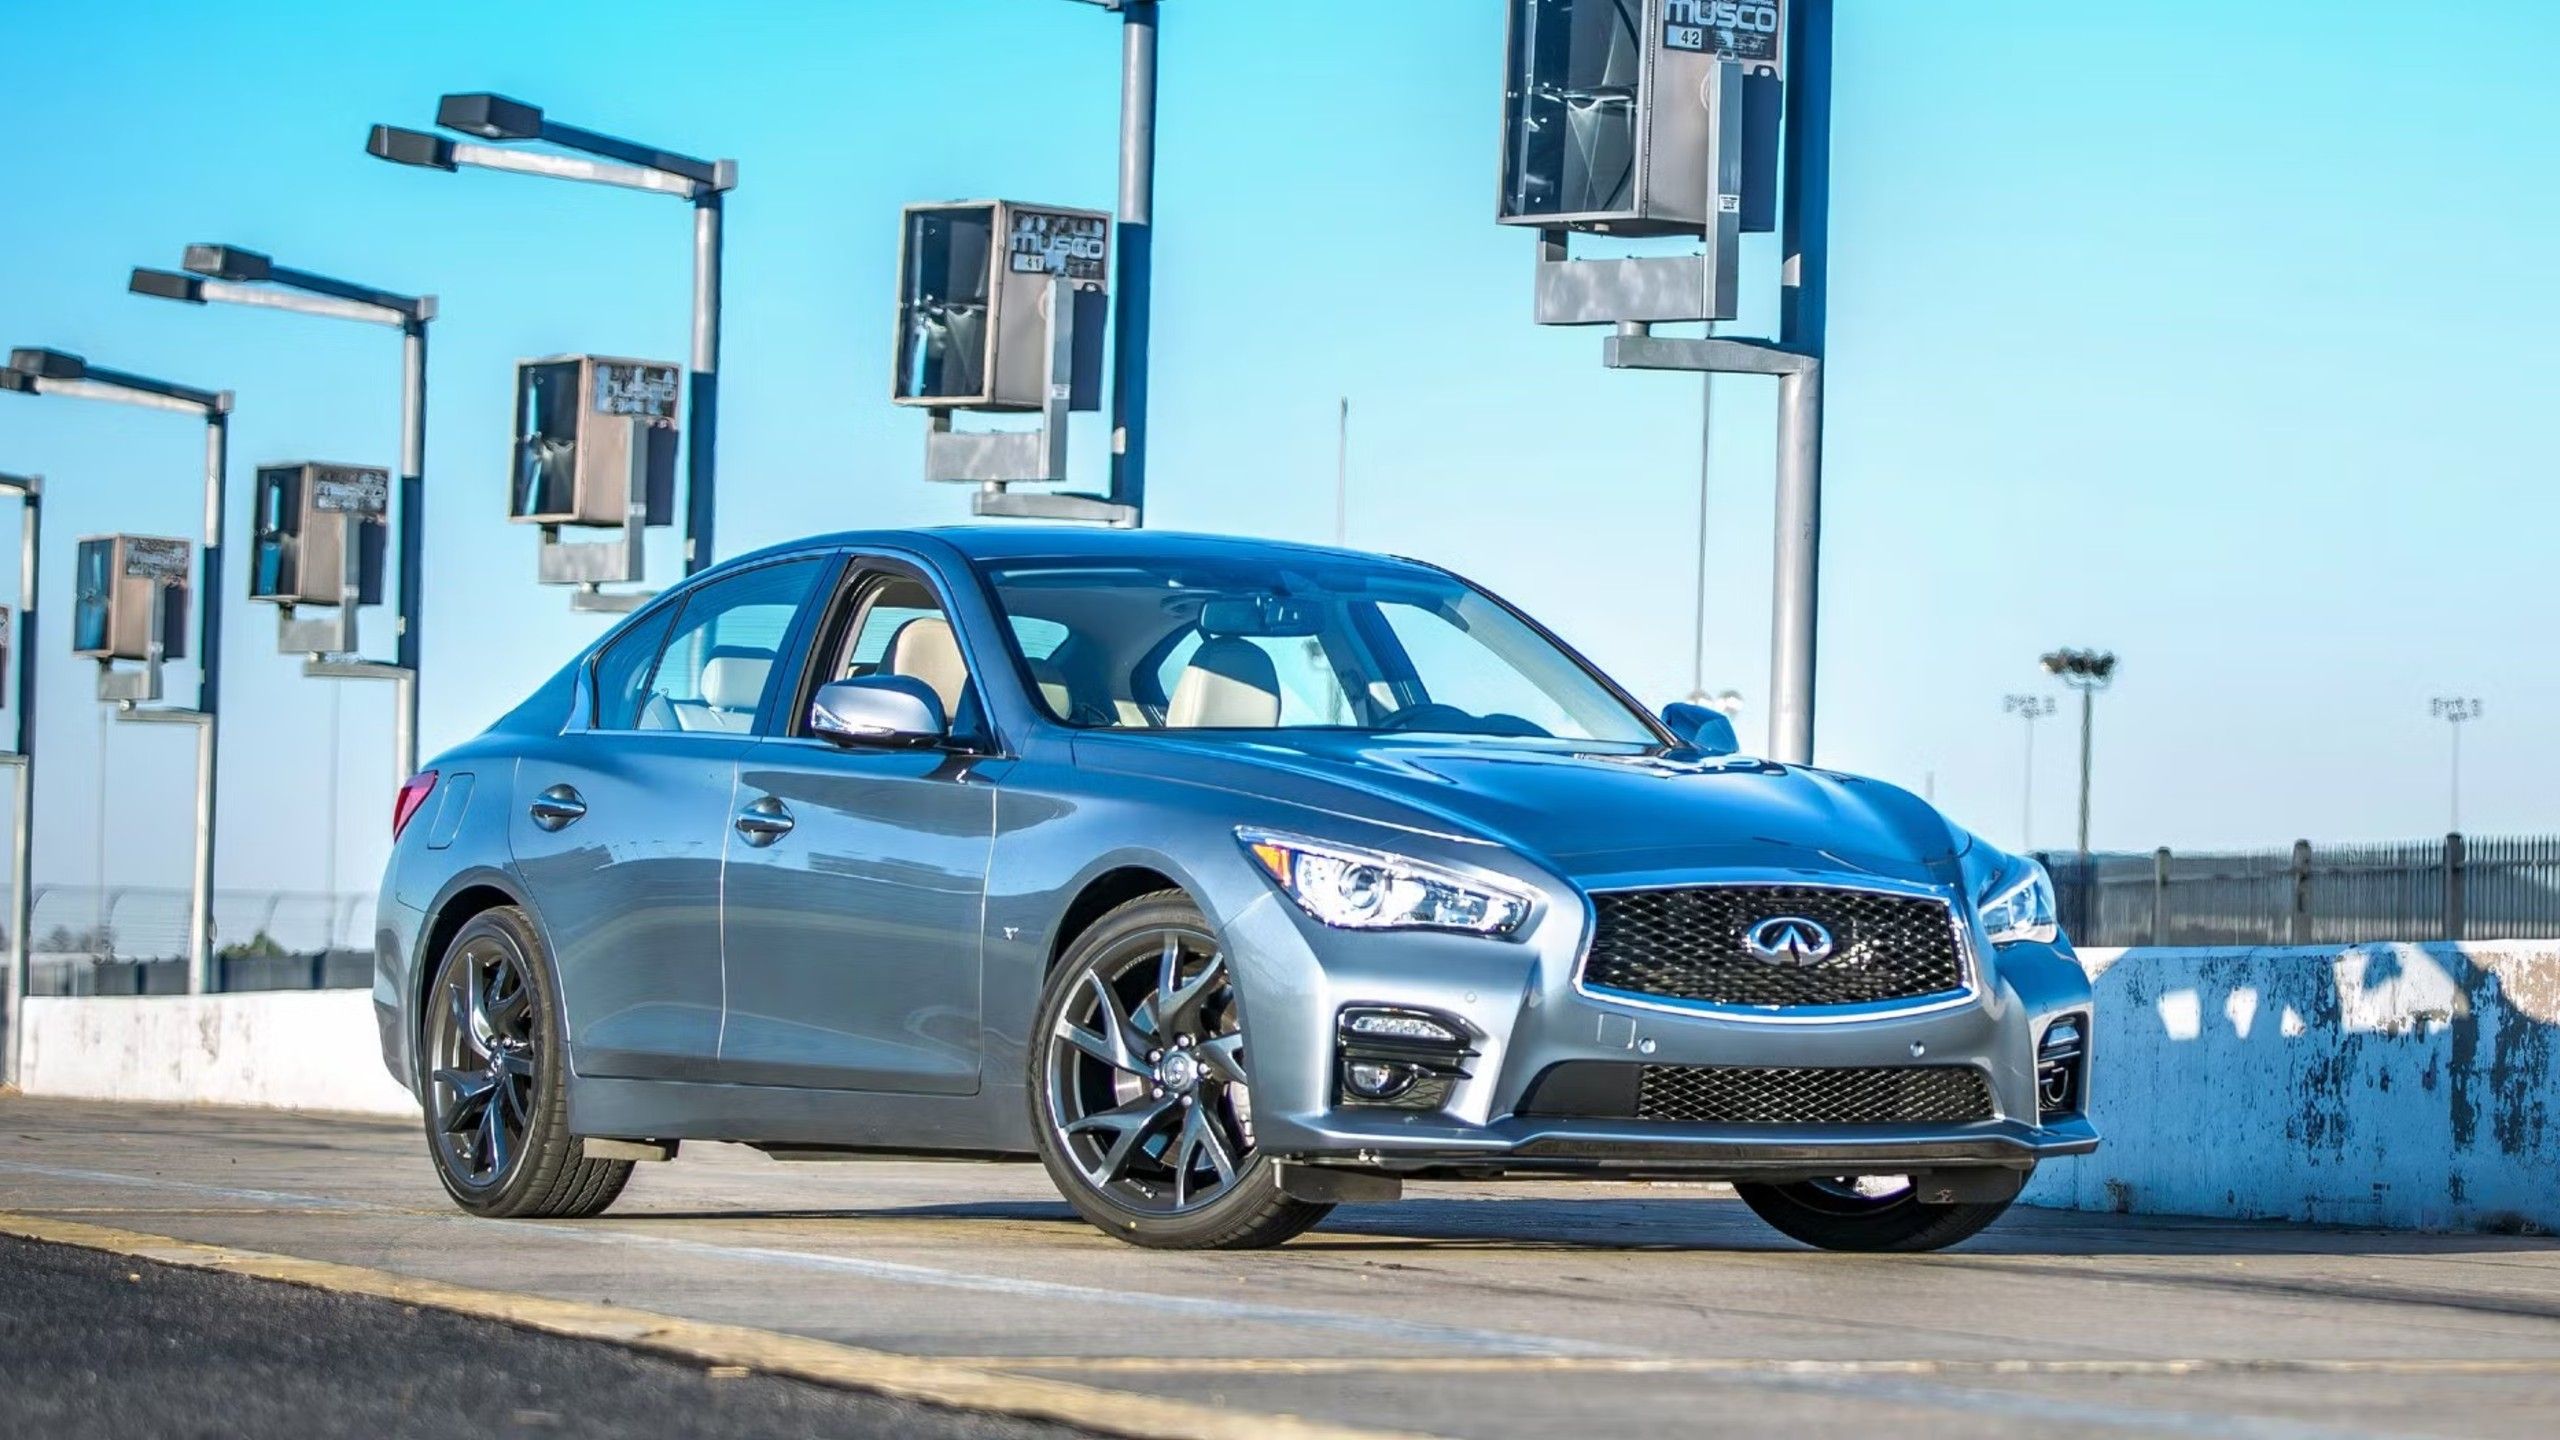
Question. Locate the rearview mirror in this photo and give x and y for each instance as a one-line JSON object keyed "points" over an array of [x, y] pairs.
{"points": [[877, 710], [1701, 728]]}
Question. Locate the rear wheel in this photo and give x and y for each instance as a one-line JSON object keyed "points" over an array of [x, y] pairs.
{"points": [[1869, 1212], [1140, 1104], [497, 1098]]}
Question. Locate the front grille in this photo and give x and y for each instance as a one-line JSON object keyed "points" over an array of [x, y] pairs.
{"points": [[1685, 943], [1751, 1095]]}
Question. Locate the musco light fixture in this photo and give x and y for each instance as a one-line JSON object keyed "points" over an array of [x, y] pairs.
{"points": [[319, 542], [595, 448], [129, 602], [1001, 308], [1641, 118]]}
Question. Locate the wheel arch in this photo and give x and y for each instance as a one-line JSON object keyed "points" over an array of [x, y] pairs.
{"points": [[1104, 893], [466, 899]]}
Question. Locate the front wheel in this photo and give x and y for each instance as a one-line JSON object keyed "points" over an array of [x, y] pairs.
{"points": [[1139, 1100], [497, 1092], [1872, 1212]]}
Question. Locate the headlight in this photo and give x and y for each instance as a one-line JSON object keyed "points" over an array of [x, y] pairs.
{"points": [[1371, 890], [2017, 903]]}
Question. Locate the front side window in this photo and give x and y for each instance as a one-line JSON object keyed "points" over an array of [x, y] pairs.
{"points": [[1297, 643], [717, 660], [899, 627]]}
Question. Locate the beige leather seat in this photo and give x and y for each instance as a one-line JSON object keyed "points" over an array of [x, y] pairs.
{"points": [[732, 688], [925, 649], [1228, 684]]}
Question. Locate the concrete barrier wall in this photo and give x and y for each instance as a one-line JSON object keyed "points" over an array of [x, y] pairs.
{"points": [[2399, 1085], [285, 1050]]}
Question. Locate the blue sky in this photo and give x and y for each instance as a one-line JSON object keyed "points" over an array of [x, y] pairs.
{"points": [[2218, 335]]}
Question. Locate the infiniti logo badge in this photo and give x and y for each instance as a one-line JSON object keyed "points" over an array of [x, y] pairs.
{"points": [[1787, 940]]}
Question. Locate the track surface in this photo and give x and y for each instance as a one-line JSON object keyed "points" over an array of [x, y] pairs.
{"points": [[1465, 1311], [98, 1345]]}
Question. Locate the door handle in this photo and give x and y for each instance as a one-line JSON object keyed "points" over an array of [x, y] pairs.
{"points": [[765, 821], [558, 807]]}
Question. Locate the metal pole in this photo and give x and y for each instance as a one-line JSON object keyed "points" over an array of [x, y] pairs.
{"points": [[413, 543], [2088, 709], [2456, 827], [1803, 313], [1132, 295], [217, 454], [22, 846], [2027, 801], [702, 411], [1796, 566], [1706, 455], [1342, 475]]}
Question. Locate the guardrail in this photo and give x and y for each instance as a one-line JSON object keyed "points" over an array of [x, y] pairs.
{"points": [[2456, 888]]}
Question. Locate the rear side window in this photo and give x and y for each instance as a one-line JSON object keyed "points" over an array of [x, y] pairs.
{"points": [[622, 670], [714, 670]]}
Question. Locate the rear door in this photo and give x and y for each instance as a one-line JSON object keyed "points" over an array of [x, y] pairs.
{"points": [[620, 824], [855, 913]]}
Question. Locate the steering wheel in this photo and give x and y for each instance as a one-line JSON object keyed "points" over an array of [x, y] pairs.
{"points": [[1429, 715]]}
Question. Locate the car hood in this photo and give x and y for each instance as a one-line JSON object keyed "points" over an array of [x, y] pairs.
{"points": [[1592, 812]]}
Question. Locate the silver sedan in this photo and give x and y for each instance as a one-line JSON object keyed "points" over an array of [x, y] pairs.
{"points": [[1229, 880]]}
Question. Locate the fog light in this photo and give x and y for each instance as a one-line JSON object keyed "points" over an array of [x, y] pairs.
{"points": [[1397, 1025], [1378, 1079], [2059, 1064], [1391, 1055]]}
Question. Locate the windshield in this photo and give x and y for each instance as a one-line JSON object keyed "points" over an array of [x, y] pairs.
{"points": [[1297, 643]]}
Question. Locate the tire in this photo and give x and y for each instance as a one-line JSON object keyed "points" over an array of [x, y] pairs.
{"points": [[1149, 1141], [498, 1068], [1830, 1215]]}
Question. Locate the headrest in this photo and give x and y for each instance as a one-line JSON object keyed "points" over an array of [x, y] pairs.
{"points": [[1229, 684], [925, 649], [735, 682]]}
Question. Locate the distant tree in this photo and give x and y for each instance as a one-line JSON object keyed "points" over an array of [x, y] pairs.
{"points": [[261, 946]]}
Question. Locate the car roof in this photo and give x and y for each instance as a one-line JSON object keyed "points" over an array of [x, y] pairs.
{"points": [[1072, 542]]}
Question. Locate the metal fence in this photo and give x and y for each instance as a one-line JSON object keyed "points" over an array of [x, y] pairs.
{"points": [[2456, 888], [132, 940]]}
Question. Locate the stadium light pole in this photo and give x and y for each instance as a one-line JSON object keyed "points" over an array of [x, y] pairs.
{"points": [[705, 184], [2029, 708], [53, 372], [230, 275], [2456, 711], [1132, 289], [13, 995], [2087, 671]]}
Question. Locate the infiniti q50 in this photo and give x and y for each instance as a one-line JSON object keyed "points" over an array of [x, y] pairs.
{"points": [[1227, 880]]}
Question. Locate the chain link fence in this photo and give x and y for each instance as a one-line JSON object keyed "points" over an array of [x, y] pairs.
{"points": [[132, 940], [2456, 888]]}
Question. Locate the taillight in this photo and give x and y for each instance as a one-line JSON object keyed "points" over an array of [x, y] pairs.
{"points": [[413, 793]]}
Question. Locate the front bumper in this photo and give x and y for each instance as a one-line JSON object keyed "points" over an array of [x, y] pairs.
{"points": [[1524, 1015]]}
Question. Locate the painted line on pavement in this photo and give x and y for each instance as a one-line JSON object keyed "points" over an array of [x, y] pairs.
{"points": [[1734, 1365], [905, 1377], [1372, 1327]]}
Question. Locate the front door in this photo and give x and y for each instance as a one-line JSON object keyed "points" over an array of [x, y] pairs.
{"points": [[856, 882], [621, 824]]}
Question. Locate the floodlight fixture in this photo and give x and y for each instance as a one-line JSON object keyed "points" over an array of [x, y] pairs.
{"points": [[410, 147], [491, 117], [102, 626], [167, 285], [507, 122]]}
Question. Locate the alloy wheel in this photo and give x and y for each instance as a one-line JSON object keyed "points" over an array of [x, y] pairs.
{"points": [[484, 1049], [1147, 1092]]}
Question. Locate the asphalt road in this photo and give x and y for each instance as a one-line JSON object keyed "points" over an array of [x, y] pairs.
{"points": [[101, 1345], [1492, 1311]]}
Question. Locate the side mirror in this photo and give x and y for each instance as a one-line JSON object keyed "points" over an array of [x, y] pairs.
{"points": [[1701, 728], [878, 710]]}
